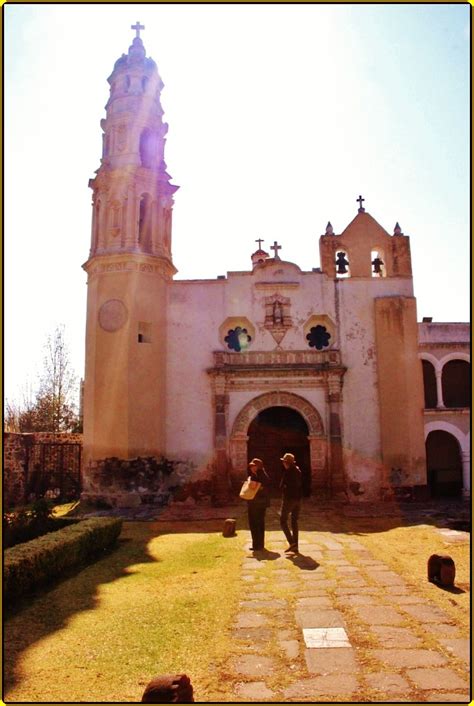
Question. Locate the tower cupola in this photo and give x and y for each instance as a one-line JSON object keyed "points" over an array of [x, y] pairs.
{"points": [[132, 191]]}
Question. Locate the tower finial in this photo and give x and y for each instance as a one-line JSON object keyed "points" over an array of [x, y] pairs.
{"points": [[397, 230], [137, 27], [360, 200]]}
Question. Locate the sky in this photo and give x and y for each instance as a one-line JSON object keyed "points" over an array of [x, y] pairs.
{"points": [[279, 117]]}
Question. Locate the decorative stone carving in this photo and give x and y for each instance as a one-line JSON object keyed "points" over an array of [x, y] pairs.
{"points": [[113, 315], [277, 316]]}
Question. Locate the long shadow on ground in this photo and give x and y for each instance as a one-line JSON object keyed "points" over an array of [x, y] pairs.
{"points": [[51, 609]]}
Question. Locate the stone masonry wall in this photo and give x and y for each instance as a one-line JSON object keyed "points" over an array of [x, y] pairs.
{"points": [[115, 482]]}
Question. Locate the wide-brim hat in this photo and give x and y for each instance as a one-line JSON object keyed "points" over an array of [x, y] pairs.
{"points": [[288, 457], [256, 462]]}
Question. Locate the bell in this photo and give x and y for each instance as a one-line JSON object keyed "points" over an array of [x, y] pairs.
{"points": [[377, 263], [341, 263]]}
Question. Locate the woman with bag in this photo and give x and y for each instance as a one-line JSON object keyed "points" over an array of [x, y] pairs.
{"points": [[257, 507]]}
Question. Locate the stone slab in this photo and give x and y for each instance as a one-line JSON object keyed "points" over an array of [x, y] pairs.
{"points": [[409, 657], [265, 603], [351, 583], [316, 576], [392, 636], [288, 585], [389, 683], [378, 615], [289, 634], [427, 613], [323, 618], [445, 697], [393, 591], [329, 661], [407, 599], [251, 620], [387, 578], [367, 590], [312, 601], [312, 590], [432, 679], [323, 686], [254, 691], [325, 637], [459, 647], [253, 665], [290, 648], [252, 635], [363, 599]]}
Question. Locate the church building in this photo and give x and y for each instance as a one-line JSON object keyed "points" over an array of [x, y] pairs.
{"points": [[329, 364]]}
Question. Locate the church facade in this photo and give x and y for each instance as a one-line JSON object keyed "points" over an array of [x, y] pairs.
{"points": [[323, 363]]}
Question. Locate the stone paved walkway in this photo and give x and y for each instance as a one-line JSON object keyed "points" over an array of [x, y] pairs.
{"points": [[401, 647]]}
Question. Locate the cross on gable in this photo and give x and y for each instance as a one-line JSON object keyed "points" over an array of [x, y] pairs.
{"points": [[361, 208], [276, 248], [259, 241], [137, 27]]}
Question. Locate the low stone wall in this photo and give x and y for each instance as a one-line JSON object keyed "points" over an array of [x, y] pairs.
{"points": [[16, 455], [115, 482]]}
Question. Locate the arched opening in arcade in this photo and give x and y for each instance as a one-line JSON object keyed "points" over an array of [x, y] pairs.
{"points": [[275, 431], [444, 464]]}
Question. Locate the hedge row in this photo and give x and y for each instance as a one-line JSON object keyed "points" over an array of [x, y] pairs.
{"points": [[30, 565], [23, 528]]}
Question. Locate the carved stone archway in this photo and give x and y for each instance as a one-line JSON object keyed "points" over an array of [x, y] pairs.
{"points": [[318, 442]]}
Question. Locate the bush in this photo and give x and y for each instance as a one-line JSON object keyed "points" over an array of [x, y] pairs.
{"points": [[33, 564], [29, 523]]}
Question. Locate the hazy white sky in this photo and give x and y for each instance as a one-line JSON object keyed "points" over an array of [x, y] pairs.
{"points": [[279, 117]]}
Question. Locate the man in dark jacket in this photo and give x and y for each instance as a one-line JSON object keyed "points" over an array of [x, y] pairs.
{"points": [[291, 486]]}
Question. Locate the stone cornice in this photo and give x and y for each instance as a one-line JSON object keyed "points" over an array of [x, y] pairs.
{"points": [[444, 344], [302, 359], [275, 286], [451, 411], [129, 262], [305, 368]]}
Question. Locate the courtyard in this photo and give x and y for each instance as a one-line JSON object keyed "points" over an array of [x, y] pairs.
{"points": [[351, 618]]}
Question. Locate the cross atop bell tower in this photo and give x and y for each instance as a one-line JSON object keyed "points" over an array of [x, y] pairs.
{"points": [[137, 27]]}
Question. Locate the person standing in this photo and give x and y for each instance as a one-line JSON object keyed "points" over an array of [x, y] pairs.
{"points": [[291, 485], [257, 507]]}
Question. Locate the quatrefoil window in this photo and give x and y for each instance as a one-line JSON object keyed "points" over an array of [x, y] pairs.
{"points": [[237, 339], [318, 337]]}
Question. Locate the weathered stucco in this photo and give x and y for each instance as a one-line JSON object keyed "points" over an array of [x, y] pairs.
{"points": [[161, 380]]}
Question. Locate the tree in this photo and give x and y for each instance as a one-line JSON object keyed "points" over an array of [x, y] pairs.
{"points": [[53, 408]]}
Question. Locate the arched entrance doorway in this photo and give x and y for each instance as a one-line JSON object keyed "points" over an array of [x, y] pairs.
{"points": [[275, 431], [444, 464]]}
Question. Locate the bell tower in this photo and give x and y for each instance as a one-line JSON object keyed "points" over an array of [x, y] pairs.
{"points": [[129, 268]]}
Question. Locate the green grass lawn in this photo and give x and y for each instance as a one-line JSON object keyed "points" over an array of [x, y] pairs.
{"points": [[166, 599], [162, 602]]}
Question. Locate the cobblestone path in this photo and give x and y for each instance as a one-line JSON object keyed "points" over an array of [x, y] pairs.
{"points": [[399, 646]]}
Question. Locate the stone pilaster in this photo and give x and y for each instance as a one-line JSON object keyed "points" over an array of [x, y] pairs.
{"points": [[221, 464], [466, 473], [337, 483], [319, 466]]}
